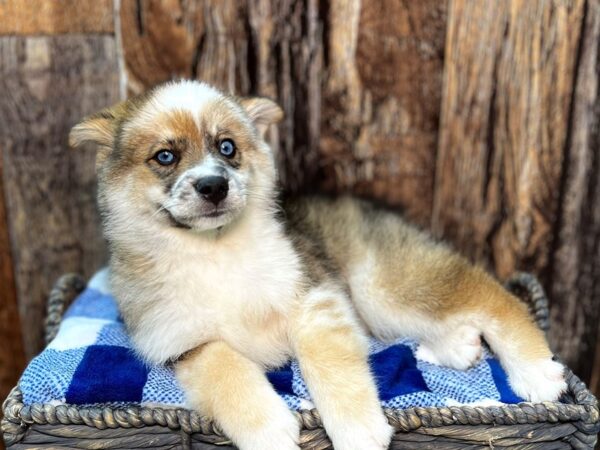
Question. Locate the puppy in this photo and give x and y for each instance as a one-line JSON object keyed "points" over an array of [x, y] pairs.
{"points": [[210, 275]]}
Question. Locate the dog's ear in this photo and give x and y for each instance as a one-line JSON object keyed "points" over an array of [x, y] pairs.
{"points": [[98, 128], [262, 111]]}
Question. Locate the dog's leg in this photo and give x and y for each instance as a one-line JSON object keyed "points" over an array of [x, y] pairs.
{"points": [[234, 391], [481, 307], [424, 291], [332, 352], [512, 334]]}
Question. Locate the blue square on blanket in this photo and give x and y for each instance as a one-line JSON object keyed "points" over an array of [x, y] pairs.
{"points": [[396, 372], [93, 303], [108, 374], [282, 380]]}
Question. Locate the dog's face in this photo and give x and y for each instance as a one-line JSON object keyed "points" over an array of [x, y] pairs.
{"points": [[184, 155]]}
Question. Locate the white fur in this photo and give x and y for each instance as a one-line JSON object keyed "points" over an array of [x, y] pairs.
{"points": [[209, 166], [536, 381], [185, 95], [100, 282], [374, 433], [282, 432], [459, 348], [454, 343]]}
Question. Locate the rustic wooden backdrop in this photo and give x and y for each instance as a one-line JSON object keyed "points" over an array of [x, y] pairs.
{"points": [[478, 118]]}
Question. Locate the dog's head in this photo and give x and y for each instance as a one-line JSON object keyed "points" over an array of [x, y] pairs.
{"points": [[184, 155]]}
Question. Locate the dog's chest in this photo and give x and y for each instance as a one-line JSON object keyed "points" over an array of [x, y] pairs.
{"points": [[242, 297], [238, 281]]}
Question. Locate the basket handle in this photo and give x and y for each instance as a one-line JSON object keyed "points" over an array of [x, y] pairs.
{"points": [[527, 287], [64, 291]]}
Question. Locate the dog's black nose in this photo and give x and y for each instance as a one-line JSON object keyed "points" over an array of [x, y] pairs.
{"points": [[214, 188]]}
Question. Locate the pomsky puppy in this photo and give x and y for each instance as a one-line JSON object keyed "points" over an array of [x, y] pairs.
{"points": [[209, 273]]}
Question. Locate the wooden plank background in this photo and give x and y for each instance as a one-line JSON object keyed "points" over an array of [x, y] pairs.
{"points": [[478, 119]]}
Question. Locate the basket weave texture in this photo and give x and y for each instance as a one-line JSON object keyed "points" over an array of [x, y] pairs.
{"points": [[572, 424]]}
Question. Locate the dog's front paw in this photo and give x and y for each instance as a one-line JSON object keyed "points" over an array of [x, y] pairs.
{"points": [[539, 381], [281, 432], [375, 433]]}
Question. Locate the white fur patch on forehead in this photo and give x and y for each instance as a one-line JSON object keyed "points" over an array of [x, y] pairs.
{"points": [[191, 97], [185, 95]]}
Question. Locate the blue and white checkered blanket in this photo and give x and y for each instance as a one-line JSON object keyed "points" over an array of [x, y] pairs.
{"points": [[91, 361]]}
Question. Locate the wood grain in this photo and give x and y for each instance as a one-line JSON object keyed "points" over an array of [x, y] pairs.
{"points": [[508, 84], [12, 357], [573, 272], [381, 101], [35, 17], [50, 83], [515, 184], [158, 40]]}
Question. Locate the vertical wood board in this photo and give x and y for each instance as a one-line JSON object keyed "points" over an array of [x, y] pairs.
{"points": [[50, 83]]}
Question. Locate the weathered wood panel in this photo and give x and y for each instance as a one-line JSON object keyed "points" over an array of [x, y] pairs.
{"points": [[510, 72], [573, 275], [35, 17], [49, 83], [159, 38], [359, 117], [381, 101], [517, 167], [12, 358]]}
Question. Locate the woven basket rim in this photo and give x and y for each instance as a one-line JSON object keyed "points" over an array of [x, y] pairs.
{"points": [[582, 406]]}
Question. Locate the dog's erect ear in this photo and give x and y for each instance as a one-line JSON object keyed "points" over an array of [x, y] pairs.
{"points": [[98, 128], [262, 111]]}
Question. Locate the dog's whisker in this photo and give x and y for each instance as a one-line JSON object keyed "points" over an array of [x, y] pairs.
{"points": [[164, 207]]}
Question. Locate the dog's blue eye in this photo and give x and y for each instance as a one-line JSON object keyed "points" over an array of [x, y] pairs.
{"points": [[227, 148], [165, 157]]}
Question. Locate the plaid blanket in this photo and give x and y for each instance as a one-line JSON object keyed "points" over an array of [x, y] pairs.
{"points": [[91, 361]]}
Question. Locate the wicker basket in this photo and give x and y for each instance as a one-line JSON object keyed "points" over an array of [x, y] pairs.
{"points": [[571, 424]]}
